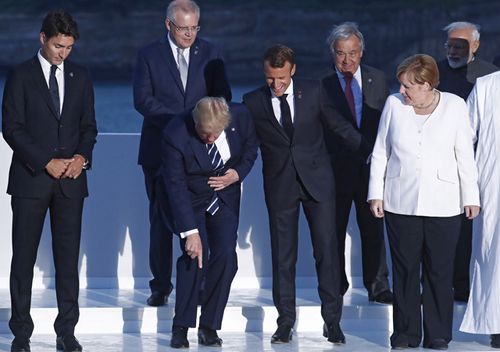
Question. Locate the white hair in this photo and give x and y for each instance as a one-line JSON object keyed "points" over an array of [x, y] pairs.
{"points": [[464, 25]]}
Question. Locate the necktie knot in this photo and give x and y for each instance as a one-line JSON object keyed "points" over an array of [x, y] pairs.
{"points": [[53, 69], [282, 98], [348, 78]]}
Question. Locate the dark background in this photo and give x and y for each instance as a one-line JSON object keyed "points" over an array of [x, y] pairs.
{"points": [[112, 31]]}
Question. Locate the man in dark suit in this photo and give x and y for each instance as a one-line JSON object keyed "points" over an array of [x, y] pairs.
{"points": [[359, 93], [49, 122], [171, 75], [457, 75], [289, 116], [206, 155]]}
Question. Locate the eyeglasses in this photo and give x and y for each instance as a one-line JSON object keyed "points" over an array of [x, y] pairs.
{"points": [[455, 46], [352, 54], [185, 30]]}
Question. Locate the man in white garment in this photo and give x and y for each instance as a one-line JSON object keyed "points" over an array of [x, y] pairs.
{"points": [[483, 309]]}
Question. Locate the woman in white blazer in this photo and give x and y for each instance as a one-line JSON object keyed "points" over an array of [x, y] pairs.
{"points": [[422, 177]]}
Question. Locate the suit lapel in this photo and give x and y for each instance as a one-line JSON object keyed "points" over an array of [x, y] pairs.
{"points": [[367, 90], [197, 146], [298, 105], [168, 57], [194, 65], [41, 85], [69, 87], [233, 141]]}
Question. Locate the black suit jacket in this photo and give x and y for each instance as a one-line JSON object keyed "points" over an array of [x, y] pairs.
{"points": [[306, 155], [158, 91], [186, 166], [350, 167], [36, 135], [460, 81]]}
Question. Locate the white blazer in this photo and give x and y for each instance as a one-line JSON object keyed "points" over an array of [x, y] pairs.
{"points": [[427, 170]]}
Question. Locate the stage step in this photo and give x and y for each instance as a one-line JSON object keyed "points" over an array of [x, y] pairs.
{"points": [[118, 320], [112, 311]]}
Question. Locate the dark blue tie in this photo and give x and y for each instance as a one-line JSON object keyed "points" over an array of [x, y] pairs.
{"points": [[54, 89], [217, 165], [286, 116]]}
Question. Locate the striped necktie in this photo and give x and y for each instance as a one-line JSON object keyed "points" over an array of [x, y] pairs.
{"points": [[217, 165]]}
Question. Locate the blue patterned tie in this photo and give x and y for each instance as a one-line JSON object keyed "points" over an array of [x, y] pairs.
{"points": [[217, 165]]}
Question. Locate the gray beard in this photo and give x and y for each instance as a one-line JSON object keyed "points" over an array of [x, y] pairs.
{"points": [[457, 63]]}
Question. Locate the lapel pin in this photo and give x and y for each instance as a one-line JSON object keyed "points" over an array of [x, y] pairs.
{"points": [[299, 94], [233, 129], [71, 74], [369, 80]]}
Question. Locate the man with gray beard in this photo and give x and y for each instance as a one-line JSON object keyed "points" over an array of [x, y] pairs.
{"points": [[458, 74]]}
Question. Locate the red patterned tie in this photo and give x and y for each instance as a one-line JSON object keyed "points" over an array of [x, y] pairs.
{"points": [[349, 96]]}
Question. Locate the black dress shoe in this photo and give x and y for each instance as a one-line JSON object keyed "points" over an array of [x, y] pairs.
{"points": [[157, 299], [384, 297], [495, 340], [179, 337], [20, 345], [334, 334], [438, 344], [68, 343], [283, 334], [208, 337]]}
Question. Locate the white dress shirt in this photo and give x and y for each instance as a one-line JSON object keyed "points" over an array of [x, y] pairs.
{"points": [[59, 76]]}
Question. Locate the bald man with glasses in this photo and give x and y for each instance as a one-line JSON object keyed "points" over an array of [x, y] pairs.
{"points": [[171, 75]]}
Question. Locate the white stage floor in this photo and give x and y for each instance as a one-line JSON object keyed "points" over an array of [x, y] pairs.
{"points": [[118, 320], [235, 342]]}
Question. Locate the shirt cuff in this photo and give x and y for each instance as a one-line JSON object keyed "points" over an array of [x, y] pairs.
{"points": [[188, 233]]}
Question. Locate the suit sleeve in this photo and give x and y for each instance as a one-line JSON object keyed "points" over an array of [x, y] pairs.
{"points": [[145, 102], [88, 126], [249, 153], [174, 178], [464, 152], [26, 149], [380, 155], [333, 121]]}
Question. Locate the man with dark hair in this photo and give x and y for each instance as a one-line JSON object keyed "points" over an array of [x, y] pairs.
{"points": [[289, 115], [359, 93], [171, 75], [49, 122]]}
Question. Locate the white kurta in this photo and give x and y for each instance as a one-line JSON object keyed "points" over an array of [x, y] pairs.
{"points": [[483, 309]]}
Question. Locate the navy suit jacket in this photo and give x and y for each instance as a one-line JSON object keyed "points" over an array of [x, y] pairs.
{"points": [[186, 166], [350, 168], [158, 91], [36, 134], [306, 155]]}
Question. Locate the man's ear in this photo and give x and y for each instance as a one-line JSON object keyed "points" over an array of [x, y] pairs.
{"points": [[474, 46]]}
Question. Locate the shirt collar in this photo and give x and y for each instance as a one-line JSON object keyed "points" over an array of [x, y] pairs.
{"points": [[46, 65], [357, 74], [174, 47]]}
